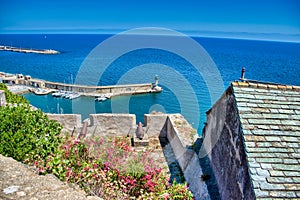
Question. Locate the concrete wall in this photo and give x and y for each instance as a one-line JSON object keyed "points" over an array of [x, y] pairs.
{"points": [[154, 124], [181, 137], [99, 89], [112, 124], [68, 121], [224, 144]]}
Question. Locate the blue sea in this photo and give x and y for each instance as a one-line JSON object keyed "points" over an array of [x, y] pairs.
{"points": [[185, 90]]}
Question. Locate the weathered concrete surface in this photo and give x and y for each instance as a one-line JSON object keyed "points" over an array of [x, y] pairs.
{"points": [[154, 123], [224, 143], [182, 136], [19, 182], [68, 121], [112, 124]]}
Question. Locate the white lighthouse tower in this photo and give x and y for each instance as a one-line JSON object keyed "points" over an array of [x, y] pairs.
{"points": [[155, 84]]}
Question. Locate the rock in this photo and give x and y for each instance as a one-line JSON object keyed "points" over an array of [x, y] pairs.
{"points": [[19, 182]]}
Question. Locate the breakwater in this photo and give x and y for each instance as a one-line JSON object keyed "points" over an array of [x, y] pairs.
{"points": [[109, 91], [27, 50]]}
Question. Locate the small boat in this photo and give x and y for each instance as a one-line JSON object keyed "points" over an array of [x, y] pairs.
{"points": [[40, 91], [101, 98], [57, 94], [67, 95], [74, 96]]}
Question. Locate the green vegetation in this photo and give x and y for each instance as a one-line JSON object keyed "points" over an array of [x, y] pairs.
{"points": [[12, 98], [107, 167], [25, 132]]}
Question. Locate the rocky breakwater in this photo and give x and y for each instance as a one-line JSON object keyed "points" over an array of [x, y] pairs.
{"points": [[27, 50], [17, 181]]}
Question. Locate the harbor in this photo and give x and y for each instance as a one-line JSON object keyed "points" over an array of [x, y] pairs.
{"points": [[73, 91], [27, 50]]}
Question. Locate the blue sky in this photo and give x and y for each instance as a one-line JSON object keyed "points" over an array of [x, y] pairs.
{"points": [[257, 17]]}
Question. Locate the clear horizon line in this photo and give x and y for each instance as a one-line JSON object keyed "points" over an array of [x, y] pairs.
{"points": [[278, 37]]}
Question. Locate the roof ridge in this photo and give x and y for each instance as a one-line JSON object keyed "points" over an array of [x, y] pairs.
{"points": [[264, 85]]}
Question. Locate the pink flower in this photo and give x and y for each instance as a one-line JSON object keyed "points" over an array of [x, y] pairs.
{"points": [[86, 168]]}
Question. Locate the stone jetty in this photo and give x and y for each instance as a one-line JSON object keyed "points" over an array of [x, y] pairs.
{"points": [[96, 91], [27, 50]]}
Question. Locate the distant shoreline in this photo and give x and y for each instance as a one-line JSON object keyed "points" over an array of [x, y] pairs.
{"points": [[26, 50]]}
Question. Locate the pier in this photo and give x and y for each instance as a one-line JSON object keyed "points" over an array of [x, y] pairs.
{"points": [[27, 50], [39, 86]]}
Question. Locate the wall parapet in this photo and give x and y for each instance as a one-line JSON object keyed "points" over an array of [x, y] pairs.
{"points": [[71, 123], [112, 124]]}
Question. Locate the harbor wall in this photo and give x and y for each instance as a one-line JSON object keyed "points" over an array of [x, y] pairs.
{"points": [[89, 90], [110, 91]]}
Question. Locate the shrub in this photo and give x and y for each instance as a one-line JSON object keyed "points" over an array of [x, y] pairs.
{"points": [[24, 132], [12, 98]]}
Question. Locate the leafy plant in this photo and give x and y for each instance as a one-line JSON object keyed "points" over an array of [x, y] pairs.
{"points": [[12, 98], [24, 132]]}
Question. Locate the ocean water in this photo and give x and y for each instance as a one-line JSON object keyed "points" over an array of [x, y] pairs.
{"points": [[185, 90]]}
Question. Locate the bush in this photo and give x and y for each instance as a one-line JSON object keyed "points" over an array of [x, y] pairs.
{"points": [[24, 133], [12, 98]]}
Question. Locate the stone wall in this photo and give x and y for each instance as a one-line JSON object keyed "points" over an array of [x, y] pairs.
{"points": [[182, 136], [224, 144], [98, 89], [154, 123], [68, 121], [112, 124]]}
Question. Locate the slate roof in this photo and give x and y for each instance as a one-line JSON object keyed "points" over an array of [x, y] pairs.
{"points": [[270, 118]]}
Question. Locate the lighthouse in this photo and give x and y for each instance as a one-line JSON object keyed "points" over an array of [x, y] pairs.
{"points": [[155, 86], [156, 80]]}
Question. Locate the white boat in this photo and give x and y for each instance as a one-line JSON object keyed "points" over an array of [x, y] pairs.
{"points": [[64, 94], [57, 94], [74, 96], [100, 99], [40, 91], [67, 95]]}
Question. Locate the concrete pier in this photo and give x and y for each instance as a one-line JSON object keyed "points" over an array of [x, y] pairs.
{"points": [[109, 91], [27, 50]]}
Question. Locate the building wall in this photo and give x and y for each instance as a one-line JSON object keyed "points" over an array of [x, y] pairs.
{"points": [[225, 147]]}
